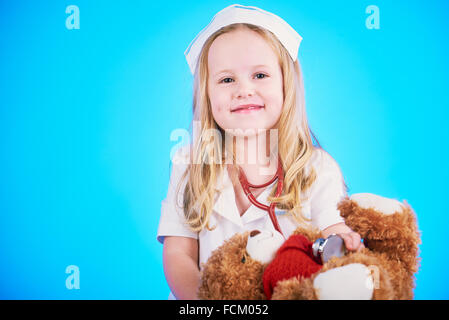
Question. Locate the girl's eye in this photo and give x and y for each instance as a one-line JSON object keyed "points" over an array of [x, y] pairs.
{"points": [[224, 80], [264, 76]]}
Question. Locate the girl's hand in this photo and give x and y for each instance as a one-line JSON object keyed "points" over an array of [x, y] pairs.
{"points": [[352, 241]]}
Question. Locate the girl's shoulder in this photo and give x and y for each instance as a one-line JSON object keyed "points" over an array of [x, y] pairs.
{"points": [[322, 161]]}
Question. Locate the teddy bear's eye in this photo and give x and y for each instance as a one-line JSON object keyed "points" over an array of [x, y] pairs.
{"points": [[243, 259]]}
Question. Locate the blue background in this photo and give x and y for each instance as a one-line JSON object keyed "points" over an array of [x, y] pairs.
{"points": [[86, 117]]}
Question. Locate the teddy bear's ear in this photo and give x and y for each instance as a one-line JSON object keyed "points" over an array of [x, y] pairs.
{"points": [[384, 205]]}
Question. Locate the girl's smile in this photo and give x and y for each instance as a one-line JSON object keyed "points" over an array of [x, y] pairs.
{"points": [[248, 108]]}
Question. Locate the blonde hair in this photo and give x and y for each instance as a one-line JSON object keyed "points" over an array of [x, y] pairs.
{"points": [[295, 146]]}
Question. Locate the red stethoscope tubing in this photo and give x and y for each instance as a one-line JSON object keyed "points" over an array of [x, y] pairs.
{"points": [[270, 209]]}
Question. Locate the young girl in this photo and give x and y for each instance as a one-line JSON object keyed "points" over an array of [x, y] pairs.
{"points": [[247, 83]]}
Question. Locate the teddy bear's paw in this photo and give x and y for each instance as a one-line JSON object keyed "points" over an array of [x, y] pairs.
{"points": [[350, 282]]}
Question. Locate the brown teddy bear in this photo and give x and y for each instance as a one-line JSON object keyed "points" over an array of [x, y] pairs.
{"points": [[243, 267]]}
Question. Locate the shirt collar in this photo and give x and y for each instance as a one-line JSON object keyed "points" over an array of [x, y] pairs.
{"points": [[226, 207]]}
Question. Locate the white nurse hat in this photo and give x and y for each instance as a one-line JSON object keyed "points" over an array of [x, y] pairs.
{"points": [[237, 13]]}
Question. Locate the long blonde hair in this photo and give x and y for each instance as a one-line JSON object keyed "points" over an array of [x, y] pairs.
{"points": [[295, 145]]}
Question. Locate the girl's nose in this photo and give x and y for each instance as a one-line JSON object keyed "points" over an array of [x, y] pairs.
{"points": [[245, 89]]}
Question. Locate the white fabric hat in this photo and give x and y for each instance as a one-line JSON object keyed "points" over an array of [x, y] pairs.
{"points": [[237, 13]]}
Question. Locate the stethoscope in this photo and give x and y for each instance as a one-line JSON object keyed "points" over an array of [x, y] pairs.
{"points": [[321, 249], [270, 209]]}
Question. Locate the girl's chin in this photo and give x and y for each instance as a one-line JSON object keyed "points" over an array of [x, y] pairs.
{"points": [[247, 131]]}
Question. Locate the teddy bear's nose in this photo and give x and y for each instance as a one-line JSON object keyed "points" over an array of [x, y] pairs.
{"points": [[254, 233]]}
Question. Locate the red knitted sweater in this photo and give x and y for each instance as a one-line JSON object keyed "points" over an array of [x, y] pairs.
{"points": [[293, 259]]}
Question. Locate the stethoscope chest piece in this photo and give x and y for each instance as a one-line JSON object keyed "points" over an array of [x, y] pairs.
{"points": [[325, 249]]}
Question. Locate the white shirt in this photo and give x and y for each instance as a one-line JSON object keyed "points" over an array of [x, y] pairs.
{"points": [[320, 206]]}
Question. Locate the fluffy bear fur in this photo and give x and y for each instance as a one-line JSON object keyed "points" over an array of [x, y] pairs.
{"points": [[391, 251], [230, 273]]}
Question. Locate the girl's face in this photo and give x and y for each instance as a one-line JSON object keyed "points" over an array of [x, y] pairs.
{"points": [[243, 69]]}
